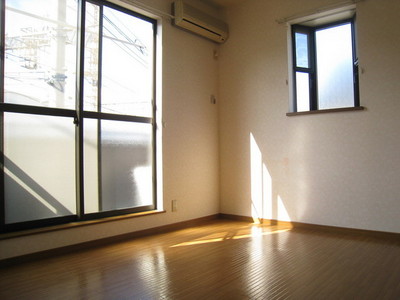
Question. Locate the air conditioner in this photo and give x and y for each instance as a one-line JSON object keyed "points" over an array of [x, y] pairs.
{"points": [[198, 22]]}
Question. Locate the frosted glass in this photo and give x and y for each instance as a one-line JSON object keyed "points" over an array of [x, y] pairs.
{"points": [[39, 166], [335, 67], [124, 168], [301, 50], [91, 166], [127, 64], [302, 91], [40, 55]]}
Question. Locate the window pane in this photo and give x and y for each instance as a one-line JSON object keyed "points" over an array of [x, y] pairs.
{"points": [[39, 166], [91, 166], [91, 57], [302, 91], [125, 165], [127, 64], [40, 54], [335, 67], [301, 50]]}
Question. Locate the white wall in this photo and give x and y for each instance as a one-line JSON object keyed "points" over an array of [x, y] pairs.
{"points": [[190, 145], [339, 169]]}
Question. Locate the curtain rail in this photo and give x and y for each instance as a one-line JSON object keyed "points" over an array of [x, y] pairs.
{"points": [[317, 11], [148, 8]]}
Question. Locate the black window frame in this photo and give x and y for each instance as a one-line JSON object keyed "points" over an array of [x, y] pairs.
{"points": [[310, 31], [78, 117]]}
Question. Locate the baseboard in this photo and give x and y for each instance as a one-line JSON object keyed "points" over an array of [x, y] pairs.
{"points": [[105, 241], [315, 227], [236, 218]]}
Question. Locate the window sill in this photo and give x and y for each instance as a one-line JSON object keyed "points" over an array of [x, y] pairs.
{"points": [[324, 111], [77, 224]]}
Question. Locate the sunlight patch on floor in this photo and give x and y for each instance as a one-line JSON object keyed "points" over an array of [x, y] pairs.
{"points": [[227, 236]]}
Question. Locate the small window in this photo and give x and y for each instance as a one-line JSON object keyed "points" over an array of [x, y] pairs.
{"points": [[325, 66]]}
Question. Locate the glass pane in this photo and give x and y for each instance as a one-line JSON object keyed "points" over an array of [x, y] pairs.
{"points": [[40, 54], [302, 91], [123, 165], [301, 50], [127, 65], [91, 166], [335, 67], [91, 57], [39, 165]]}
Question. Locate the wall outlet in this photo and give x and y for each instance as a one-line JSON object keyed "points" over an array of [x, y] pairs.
{"points": [[174, 205]]}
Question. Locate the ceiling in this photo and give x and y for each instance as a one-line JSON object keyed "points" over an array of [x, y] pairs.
{"points": [[224, 3]]}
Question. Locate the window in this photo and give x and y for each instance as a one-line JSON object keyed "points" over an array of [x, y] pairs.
{"points": [[325, 66], [77, 112]]}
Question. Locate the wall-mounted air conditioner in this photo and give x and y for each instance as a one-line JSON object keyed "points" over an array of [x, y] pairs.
{"points": [[198, 22]]}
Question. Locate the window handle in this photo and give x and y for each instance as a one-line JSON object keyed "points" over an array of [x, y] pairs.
{"points": [[76, 121]]}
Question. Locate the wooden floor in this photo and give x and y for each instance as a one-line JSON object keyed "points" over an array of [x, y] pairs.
{"points": [[220, 260]]}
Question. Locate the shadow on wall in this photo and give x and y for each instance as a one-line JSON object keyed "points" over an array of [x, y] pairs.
{"points": [[266, 203]]}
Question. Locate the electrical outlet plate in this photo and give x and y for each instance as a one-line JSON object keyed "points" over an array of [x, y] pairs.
{"points": [[174, 205]]}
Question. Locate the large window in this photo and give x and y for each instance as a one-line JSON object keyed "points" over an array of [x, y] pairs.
{"points": [[77, 127], [325, 66]]}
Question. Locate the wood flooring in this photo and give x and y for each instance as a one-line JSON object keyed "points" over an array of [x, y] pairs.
{"points": [[221, 259]]}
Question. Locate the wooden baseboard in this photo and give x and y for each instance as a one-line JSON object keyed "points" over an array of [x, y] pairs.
{"points": [[348, 231], [314, 227], [68, 226], [105, 241], [236, 218], [252, 220]]}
